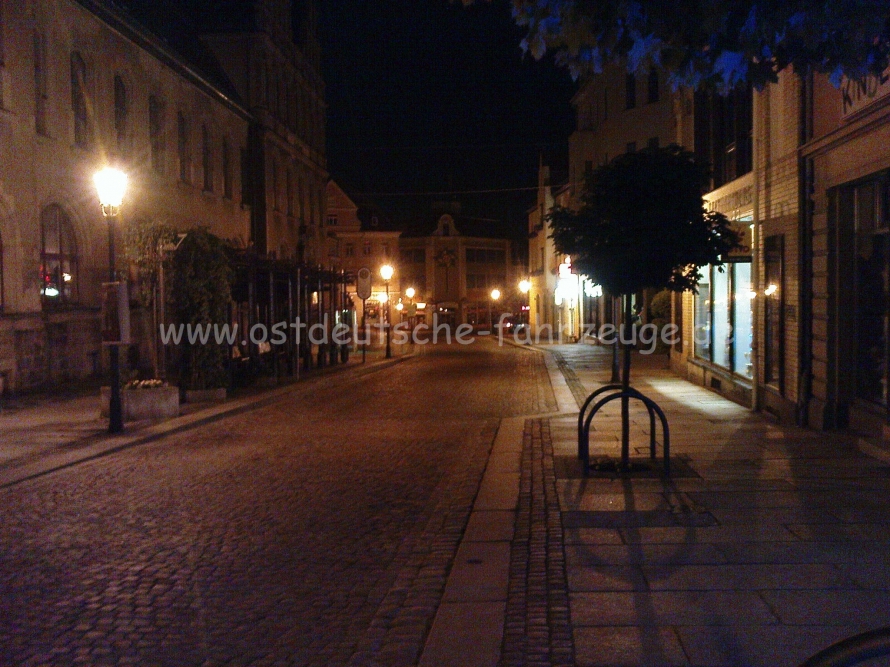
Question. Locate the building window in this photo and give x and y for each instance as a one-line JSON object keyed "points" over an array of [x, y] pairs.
{"points": [[349, 250], [773, 292], [206, 159], [630, 91], [1, 273], [723, 317], [120, 112], [82, 130], [289, 186], [366, 249], [652, 87], [156, 132], [276, 203], [183, 148], [332, 220], [227, 169], [862, 208], [385, 248], [485, 256], [40, 78], [413, 256], [723, 125], [58, 257]]}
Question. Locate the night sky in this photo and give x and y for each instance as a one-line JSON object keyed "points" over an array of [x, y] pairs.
{"points": [[430, 96]]}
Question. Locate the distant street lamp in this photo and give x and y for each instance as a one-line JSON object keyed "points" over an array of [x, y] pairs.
{"points": [[495, 295], [412, 309], [386, 272], [524, 287], [111, 184]]}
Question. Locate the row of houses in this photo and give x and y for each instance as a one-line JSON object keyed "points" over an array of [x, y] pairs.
{"points": [[217, 117], [797, 323]]}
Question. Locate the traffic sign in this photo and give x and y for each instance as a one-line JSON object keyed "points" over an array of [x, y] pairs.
{"points": [[363, 283]]}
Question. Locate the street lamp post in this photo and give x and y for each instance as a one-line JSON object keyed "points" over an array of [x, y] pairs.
{"points": [[524, 287], [495, 295], [410, 292], [111, 184], [386, 272]]}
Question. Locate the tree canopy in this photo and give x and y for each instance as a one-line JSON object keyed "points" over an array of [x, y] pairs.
{"points": [[711, 42], [642, 224]]}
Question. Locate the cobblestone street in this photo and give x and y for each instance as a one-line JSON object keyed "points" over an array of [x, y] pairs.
{"points": [[318, 530]]}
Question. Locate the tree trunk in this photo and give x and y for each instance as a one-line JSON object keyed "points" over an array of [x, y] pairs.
{"points": [[625, 383]]}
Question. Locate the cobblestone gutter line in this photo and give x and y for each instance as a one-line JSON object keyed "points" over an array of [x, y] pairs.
{"points": [[412, 589], [578, 390], [537, 627]]}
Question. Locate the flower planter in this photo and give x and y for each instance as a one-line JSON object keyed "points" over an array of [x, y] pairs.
{"points": [[205, 395], [154, 403]]}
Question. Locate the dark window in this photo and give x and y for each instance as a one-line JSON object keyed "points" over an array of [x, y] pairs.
{"points": [[1, 272], [349, 250], [58, 257], [630, 91], [366, 250], [773, 292], [82, 130], [206, 159], [276, 203], [652, 87], [289, 186], [183, 148], [723, 133], [652, 143], [156, 132], [227, 169], [332, 220], [860, 205], [120, 112], [40, 76], [485, 256], [413, 256]]}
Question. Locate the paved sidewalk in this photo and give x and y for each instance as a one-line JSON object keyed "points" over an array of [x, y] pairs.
{"points": [[42, 433], [767, 544]]}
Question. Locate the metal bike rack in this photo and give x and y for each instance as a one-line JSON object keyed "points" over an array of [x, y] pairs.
{"points": [[853, 650], [585, 419]]}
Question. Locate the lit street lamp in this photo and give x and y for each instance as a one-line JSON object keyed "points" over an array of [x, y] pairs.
{"points": [[111, 184], [386, 272], [524, 287], [495, 295]]}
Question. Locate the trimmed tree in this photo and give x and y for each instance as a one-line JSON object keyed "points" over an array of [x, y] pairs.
{"points": [[642, 224], [200, 297]]}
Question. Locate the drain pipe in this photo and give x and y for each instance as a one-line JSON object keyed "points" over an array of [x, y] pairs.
{"points": [[755, 252]]}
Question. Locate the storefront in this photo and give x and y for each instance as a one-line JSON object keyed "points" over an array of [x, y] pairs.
{"points": [[850, 226]]}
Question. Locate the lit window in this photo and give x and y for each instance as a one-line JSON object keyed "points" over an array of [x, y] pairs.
{"points": [[58, 257]]}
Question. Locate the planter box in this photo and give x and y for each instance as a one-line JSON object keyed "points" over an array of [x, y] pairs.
{"points": [[204, 395], [155, 403]]}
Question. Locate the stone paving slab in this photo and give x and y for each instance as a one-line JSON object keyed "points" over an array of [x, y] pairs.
{"points": [[797, 555]]}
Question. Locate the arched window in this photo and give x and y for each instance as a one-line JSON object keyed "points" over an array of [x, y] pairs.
{"points": [[206, 159], [58, 257], [82, 132], [121, 112], [1, 273]]}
